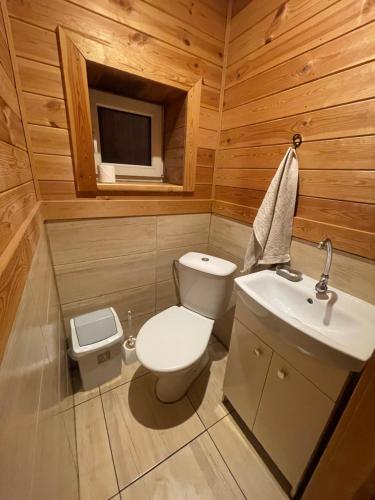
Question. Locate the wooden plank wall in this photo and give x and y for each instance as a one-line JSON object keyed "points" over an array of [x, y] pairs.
{"points": [[179, 41], [18, 198], [306, 67]]}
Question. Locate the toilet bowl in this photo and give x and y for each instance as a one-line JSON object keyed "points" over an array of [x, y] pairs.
{"points": [[173, 343]]}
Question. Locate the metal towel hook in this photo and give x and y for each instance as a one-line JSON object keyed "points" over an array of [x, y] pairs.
{"points": [[297, 140]]}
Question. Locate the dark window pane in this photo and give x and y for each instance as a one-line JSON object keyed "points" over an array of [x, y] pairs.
{"points": [[124, 137]]}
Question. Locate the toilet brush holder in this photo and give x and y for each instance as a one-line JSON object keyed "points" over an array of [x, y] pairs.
{"points": [[129, 351], [129, 344]]}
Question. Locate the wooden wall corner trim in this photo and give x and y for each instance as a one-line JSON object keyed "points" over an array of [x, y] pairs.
{"points": [[222, 90], [78, 110], [191, 139]]}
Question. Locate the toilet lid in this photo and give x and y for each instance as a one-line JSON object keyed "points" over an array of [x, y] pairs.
{"points": [[173, 339]]}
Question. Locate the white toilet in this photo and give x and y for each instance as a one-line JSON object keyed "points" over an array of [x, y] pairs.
{"points": [[173, 344]]}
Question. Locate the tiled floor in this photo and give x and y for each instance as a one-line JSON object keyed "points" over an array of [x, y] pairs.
{"points": [[131, 446]]}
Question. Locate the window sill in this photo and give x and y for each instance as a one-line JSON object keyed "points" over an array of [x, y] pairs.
{"points": [[131, 186]]}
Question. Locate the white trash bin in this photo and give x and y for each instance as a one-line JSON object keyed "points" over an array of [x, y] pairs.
{"points": [[96, 342]]}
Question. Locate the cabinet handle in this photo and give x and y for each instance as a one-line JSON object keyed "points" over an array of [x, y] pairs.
{"points": [[281, 374], [257, 352]]}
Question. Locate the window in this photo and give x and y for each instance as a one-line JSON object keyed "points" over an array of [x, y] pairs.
{"points": [[127, 133], [173, 165]]}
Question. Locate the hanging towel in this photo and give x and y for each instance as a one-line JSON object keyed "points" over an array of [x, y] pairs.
{"points": [[272, 228]]}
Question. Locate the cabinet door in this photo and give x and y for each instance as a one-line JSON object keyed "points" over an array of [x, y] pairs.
{"points": [[246, 371], [291, 418]]}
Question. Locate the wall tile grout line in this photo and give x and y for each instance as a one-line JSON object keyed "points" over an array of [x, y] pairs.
{"points": [[76, 454], [90, 261]]}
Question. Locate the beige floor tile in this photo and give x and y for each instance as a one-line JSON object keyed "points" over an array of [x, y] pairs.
{"points": [[213, 339], [142, 430], [97, 477], [252, 475], [68, 417], [79, 394], [196, 471], [54, 472], [65, 379], [206, 393], [128, 373]]}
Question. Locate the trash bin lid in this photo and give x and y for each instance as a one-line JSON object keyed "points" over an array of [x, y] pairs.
{"points": [[95, 326]]}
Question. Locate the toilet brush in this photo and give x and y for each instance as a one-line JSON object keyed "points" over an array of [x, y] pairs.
{"points": [[129, 344]]}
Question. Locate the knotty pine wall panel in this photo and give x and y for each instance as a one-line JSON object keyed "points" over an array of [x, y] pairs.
{"points": [[181, 42], [308, 68], [18, 198], [34, 376]]}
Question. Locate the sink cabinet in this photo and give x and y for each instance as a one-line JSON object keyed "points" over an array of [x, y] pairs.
{"points": [[291, 417], [247, 367], [284, 396]]}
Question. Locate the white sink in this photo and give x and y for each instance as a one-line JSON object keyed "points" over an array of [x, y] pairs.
{"points": [[338, 327]]}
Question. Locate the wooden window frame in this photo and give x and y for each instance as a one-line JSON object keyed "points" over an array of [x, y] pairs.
{"points": [[76, 88]]}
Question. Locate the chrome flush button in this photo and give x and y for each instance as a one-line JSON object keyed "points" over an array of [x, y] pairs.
{"points": [[205, 259]]}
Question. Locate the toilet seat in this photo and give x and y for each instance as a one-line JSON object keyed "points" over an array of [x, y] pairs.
{"points": [[173, 339]]}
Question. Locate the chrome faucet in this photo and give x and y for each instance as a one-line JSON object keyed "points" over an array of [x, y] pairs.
{"points": [[322, 285]]}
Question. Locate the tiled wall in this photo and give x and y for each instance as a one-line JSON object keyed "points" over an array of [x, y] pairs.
{"points": [[36, 414], [127, 263], [350, 273], [123, 262]]}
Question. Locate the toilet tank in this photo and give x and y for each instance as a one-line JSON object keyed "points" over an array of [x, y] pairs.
{"points": [[205, 283]]}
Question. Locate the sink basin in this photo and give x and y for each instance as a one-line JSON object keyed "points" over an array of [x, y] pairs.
{"points": [[336, 327]]}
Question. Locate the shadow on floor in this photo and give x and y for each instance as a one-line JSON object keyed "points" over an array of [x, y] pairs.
{"points": [[217, 352], [149, 411]]}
